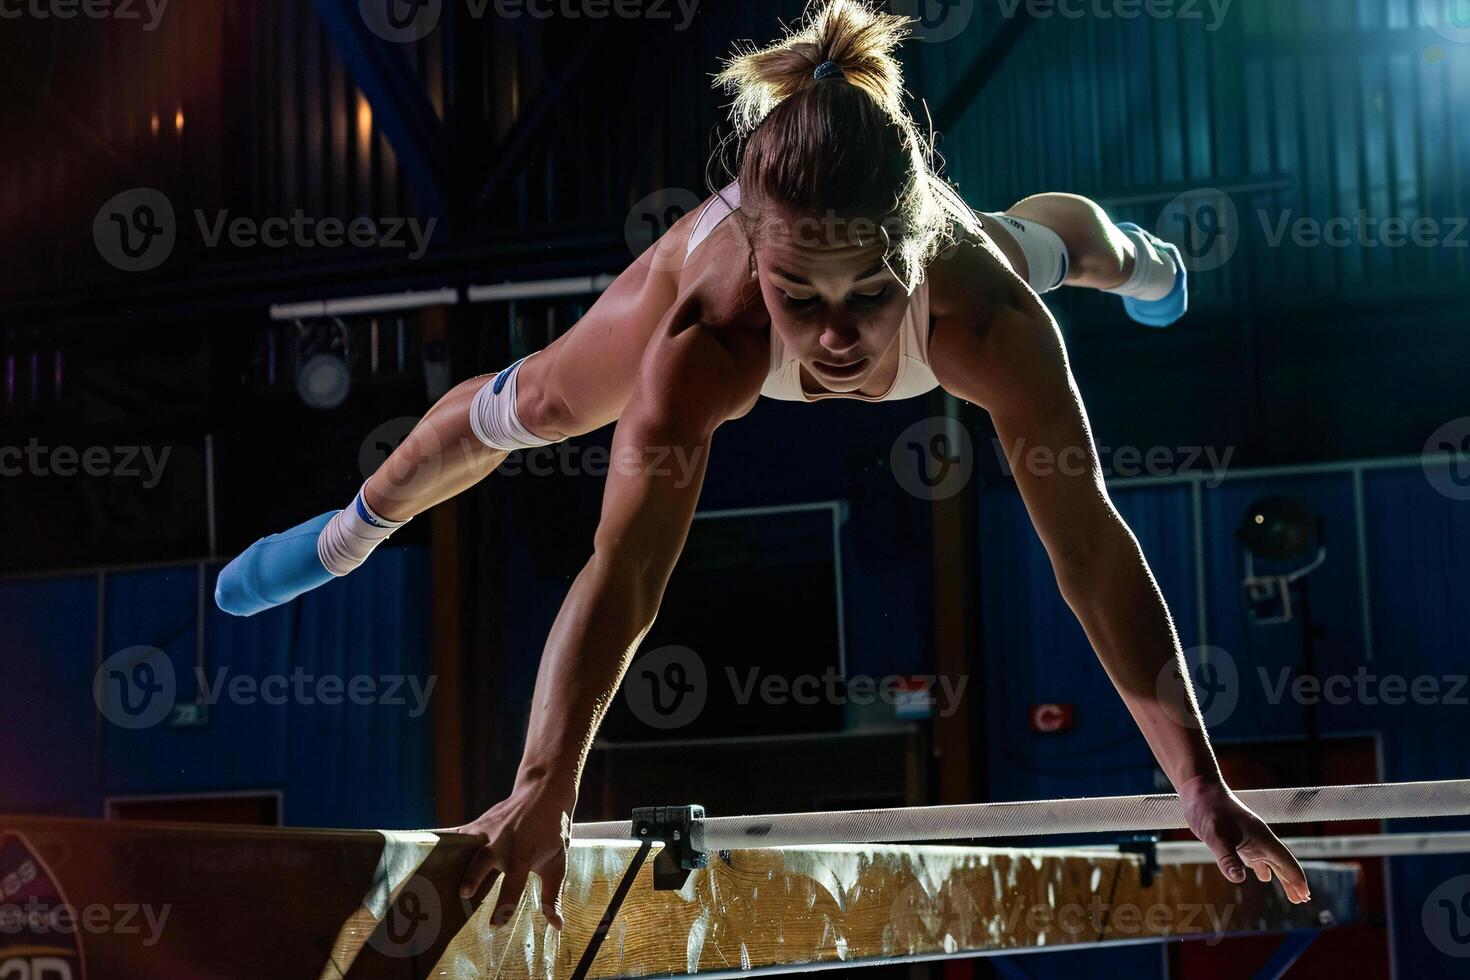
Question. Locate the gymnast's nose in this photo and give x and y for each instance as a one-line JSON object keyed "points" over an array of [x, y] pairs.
{"points": [[840, 337]]}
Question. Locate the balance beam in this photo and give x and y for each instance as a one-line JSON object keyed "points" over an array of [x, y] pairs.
{"points": [[187, 900]]}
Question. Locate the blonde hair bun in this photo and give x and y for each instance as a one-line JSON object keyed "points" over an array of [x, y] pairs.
{"points": [[859, 39]]}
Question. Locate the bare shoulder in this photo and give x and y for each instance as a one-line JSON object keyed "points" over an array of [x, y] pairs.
{"points": [[991, 337], [713, 345]]}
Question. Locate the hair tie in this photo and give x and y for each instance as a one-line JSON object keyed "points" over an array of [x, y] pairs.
{"points": [[828, 69]]}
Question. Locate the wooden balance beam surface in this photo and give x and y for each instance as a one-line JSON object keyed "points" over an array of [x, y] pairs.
{"points": [[193, 901]]}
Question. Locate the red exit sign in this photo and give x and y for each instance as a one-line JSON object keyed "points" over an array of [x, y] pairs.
{"points": [[1051, 718]]}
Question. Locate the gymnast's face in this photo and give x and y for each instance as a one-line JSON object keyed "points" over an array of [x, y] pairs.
{"points": [[831, 298]]}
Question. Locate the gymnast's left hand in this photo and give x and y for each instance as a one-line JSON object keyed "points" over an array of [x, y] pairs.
{"points": [[1240, 839], [529, 832]]}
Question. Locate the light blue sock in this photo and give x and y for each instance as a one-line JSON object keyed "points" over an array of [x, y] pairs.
{"points": [[274, 570], [1164, 312]]}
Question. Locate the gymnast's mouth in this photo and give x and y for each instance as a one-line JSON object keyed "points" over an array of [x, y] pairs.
{"points": [[840, 371]]}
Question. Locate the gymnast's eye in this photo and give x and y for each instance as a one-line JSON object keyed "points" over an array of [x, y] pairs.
{"points": [[870, 299], [802, 302]]}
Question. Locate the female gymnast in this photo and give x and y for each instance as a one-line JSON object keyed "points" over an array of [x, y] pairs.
{"points": [[838, 265]]}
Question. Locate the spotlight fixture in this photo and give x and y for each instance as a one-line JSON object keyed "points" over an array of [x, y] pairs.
{"points": [[324, 381], [323, 373], [1278, 529]]}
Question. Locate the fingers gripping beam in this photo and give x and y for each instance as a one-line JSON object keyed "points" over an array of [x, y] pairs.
{"points": [[1119, 814]]}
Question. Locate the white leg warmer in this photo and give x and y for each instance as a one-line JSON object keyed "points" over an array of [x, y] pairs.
{"points": [[1155, 271], [493, 415], [351, 536], [1046, 257]]}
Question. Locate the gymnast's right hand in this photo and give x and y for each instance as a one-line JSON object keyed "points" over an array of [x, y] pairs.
{"points": [[528, 832]]}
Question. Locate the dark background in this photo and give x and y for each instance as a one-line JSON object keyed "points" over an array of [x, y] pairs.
{"points": [[547, 148]]}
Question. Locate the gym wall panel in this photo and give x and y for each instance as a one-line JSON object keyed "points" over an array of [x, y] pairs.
{"points": [[344, 764], [1417, 547], [1298, 109], [48, 644]]}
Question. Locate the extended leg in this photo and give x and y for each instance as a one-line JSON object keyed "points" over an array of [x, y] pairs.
{"points": [[579, 383], [1062, 239]]}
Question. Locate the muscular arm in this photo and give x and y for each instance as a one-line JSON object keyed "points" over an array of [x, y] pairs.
{"points": [[691, 383], [694, 377], [996, 345]]}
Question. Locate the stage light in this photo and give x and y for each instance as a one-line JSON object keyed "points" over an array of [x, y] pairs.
{"points": [[324, 381]]}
